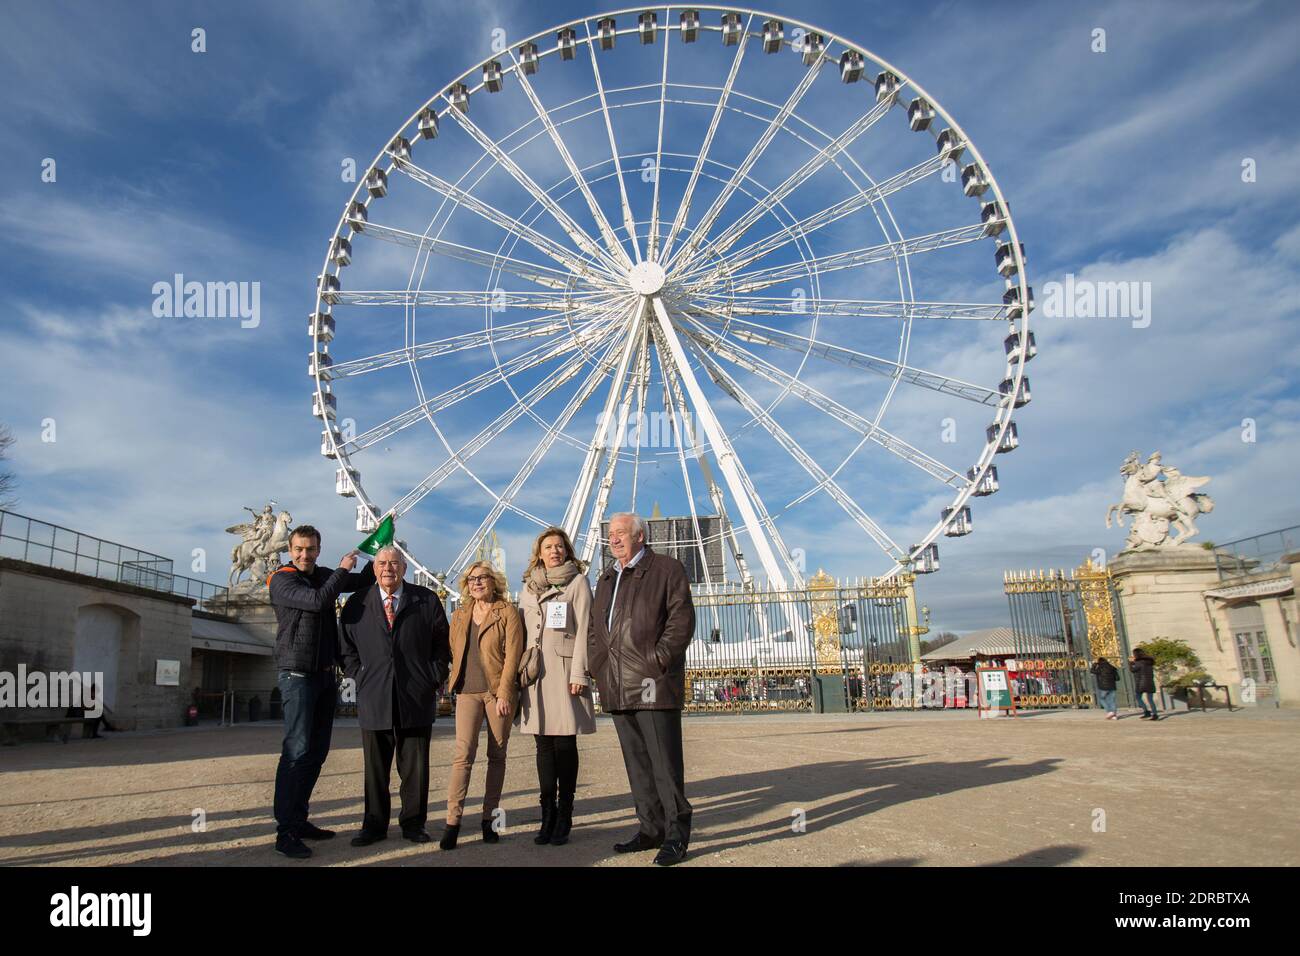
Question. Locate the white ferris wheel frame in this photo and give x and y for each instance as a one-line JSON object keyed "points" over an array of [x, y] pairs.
{"points": [[626, 295]]}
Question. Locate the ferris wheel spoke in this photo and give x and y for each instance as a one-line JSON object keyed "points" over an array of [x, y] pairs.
{"points": [[858, 308], [684, 207], [742, 171], [642, 387], [603, 435], [757, 521], [776, 338], [675, 405], [611, 456], [543, 325], [765, 278], [679, 441], [543, 198], [732, 233], [452, 396], [629, 221], [819, 220], [460, 458], [542, 275], [598, 214], [521, 477], [568, 300], [652, 240], [511, 225], [873, 431], [805, 461]]}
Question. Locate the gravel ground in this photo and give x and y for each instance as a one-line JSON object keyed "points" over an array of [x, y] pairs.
{"points": [[1052, 788]]}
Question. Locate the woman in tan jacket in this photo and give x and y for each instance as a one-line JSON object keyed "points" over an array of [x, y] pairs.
{"points": [[487, 640], [556, 606]]}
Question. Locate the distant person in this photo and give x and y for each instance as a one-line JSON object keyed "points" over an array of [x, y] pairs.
{"points": [[1105, 675], [394, 645], [1143, 666], [556, 606], [306, 645], [642, 622]]}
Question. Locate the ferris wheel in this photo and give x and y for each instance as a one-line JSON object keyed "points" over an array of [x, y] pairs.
{"points": [[719, 260]]}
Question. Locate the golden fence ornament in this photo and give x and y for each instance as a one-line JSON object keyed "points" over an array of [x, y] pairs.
{"points": [[1096, 595], [826, 623]]}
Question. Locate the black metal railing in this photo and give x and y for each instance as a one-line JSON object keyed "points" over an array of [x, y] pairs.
{"points": [[53, 546], [1257, 555]]}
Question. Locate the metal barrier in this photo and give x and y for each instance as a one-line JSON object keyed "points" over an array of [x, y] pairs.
{"points": [[52, 546], [1260, 554], [1061, 624], [829, 647]]}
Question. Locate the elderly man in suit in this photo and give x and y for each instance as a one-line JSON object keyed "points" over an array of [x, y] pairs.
{"points": [[642, 620], [394, 644]]}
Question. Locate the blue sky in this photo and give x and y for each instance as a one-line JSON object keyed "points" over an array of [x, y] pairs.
{"points": [[225, 166]]}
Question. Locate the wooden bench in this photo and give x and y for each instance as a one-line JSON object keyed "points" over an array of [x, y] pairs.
{"points": [[54, 722]]}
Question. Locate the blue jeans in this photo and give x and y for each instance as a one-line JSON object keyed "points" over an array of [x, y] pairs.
{"points": [[1150, 699], [1106, 700], [309, 703]]}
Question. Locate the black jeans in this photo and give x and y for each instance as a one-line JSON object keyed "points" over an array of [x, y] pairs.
{"points": [[309, 703], [557, 764]]}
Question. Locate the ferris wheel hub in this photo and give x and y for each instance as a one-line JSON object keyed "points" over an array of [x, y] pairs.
{"points": [[647, 278]]}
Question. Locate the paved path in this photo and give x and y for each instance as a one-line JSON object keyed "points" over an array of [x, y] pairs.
{"points": [[899, 789]]}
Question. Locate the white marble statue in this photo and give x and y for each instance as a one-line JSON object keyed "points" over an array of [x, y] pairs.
{"points": [[264, 539], [1157, 496]]}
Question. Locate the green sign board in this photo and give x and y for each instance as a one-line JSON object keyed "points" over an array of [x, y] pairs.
{"points": [[995, 688]]}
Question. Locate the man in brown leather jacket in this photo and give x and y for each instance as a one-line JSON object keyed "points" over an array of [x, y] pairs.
{"points": [[642, 620]]}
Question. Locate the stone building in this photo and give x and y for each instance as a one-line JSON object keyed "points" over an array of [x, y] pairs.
{"points": [[70, 601]]}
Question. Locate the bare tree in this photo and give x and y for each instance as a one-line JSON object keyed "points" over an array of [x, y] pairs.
{"points": [[8, 481], [945, 637]]}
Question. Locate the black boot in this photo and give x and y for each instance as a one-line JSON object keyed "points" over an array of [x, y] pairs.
{"points": [[548, 820], [490, 835], [563, 820], [450, 831]]}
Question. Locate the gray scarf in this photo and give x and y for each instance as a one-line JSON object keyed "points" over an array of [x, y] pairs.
{"points": [[542, 579]]}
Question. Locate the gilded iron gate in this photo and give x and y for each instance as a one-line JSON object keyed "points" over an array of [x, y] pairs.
{"points": [[1061, 624], [826, 648]]}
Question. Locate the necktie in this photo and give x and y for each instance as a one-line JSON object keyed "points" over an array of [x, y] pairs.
{"points": [[388, 610]]}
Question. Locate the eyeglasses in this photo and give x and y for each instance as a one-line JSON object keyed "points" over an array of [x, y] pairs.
{"points": [[479, 579]]}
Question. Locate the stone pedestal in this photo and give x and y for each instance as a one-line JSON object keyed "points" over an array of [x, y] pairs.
{"points": [[253, 612], [1162, 595]]}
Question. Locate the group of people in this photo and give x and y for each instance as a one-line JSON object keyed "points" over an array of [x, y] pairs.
{"points": [[531, 665], [1142, 666]]}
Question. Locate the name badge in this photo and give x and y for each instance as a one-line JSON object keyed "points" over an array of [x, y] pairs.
{"points": [[557, 614]]}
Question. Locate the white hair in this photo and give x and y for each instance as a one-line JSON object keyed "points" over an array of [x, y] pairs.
{"points": [[638, 523], [393, 548]]}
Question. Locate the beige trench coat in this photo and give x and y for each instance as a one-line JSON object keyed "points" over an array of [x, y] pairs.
{"points": [[546, 707]]}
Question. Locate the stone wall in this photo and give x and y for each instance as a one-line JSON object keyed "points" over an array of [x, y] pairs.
{"points": [[1162, 595], [39, 612]]}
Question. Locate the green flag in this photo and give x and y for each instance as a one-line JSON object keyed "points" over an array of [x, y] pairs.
{"points": [[381, 538]]}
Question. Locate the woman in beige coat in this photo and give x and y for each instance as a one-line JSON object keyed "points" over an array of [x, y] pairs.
{"points": [[487, 640], [556, 606]]}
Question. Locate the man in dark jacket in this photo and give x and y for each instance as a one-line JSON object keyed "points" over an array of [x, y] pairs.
{"points": [[642, 620], [306, 643], [1143, 666], [1104, 673], [394, 644]]}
